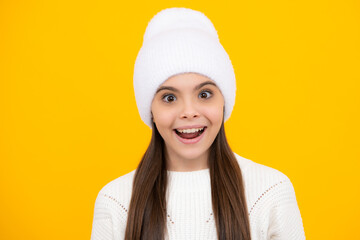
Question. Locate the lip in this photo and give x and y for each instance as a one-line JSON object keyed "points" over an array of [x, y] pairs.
{"points": [[190, 141], [192, 126]]}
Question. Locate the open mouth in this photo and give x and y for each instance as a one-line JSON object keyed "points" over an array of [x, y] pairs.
{"points": [[190, 133]]}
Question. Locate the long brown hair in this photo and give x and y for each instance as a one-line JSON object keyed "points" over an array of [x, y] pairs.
{"points": [[147, 211]]}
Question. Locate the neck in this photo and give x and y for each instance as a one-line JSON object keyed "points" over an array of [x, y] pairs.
{"points": [[181, 163]]}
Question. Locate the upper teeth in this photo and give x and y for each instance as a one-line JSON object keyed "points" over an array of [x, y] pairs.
{"points": [[192, 130]]}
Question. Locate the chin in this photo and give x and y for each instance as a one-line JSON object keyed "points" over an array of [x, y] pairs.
{"points": [[191, 154]]}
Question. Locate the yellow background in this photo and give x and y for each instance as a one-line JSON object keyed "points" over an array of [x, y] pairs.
{"points": [[69, 122]]}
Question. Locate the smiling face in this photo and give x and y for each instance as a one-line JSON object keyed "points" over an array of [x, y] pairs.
{"points": [[187, 110]]}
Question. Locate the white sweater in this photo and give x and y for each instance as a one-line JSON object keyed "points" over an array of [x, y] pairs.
{"points": [[270, 196]]}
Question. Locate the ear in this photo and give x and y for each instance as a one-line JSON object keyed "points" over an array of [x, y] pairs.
{"points": [[152, 117]]}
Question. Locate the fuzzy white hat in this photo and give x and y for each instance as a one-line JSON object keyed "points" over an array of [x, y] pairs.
{"points": [[181, 40]]}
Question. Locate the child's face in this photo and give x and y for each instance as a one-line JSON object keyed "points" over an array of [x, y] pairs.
{"points": [[181, 104]]}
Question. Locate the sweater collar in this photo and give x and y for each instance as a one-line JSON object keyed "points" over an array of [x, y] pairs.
{"points": [[192, 181]]}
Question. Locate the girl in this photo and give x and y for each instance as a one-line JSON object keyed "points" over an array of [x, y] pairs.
{"points": [[189, 184]]}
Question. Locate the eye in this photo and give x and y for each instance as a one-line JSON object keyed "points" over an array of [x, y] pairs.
{"points": [[205, 94], [168, 98]]}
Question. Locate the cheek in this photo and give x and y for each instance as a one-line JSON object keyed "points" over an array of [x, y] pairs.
{"points": [[163, 117], [215, 113]]}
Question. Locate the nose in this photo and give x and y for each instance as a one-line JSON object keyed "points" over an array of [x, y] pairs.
{"points": [[189, 110]]}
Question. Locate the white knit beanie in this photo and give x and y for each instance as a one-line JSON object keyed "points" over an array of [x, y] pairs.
{"points": [[181, 40]]}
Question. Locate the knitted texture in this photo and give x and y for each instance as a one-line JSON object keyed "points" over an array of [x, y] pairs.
{"points": [[270, 196], [181, 40]]}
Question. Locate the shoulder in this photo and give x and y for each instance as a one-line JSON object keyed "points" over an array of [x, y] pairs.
{"points": [[116, 194], [111, 207], [271, 202], [123, 182], [262, 182], [255, 172]]}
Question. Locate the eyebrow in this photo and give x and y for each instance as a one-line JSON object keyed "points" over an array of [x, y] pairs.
{"points": [[176, 90]]}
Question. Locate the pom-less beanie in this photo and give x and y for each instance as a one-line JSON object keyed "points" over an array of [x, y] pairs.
{"points": [[181, 40]]}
